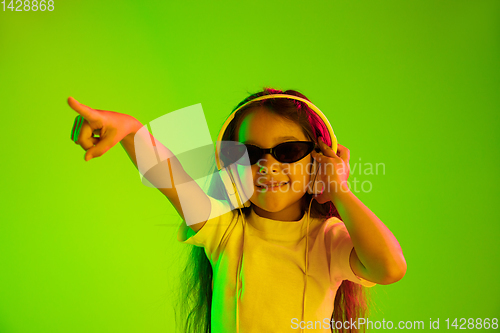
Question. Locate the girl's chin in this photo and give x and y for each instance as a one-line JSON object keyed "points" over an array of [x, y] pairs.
{"points": [[268, 209]]}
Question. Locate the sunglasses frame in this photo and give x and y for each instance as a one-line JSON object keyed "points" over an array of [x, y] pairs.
{"points": [[263, 151]]}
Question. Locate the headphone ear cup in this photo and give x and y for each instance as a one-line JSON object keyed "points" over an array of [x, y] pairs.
{"points": [[233, 189], [229, 187], [242, 181]]}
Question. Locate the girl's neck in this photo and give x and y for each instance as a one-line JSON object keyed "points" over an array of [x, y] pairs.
{"points": [[290, 214]]}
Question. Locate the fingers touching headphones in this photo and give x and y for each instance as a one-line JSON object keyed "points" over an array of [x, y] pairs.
{"points": [[333, 170]]}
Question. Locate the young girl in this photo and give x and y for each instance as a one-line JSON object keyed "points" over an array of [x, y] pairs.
{"points": [[291, 259]]}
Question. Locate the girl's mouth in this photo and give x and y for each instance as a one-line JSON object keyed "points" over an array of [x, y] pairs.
{"points": [[271, 187]]}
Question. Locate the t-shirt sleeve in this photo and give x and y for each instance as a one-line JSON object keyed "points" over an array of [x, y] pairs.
{"points": [[211, 234], [340, 246]]}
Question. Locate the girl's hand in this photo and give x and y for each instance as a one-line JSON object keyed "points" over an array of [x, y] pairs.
{"points": [[111, 127], [333, 171]]}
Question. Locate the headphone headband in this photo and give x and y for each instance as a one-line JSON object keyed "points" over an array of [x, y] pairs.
{"points": [[272, 96]]}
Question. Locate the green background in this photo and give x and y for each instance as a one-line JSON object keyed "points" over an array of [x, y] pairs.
{"points": [[85, 247]]}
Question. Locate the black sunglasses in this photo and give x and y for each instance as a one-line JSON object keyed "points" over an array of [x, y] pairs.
{"points": [[286, 152]]}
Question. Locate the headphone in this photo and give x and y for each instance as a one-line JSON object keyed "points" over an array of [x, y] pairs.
{"points": [[239, 198]]}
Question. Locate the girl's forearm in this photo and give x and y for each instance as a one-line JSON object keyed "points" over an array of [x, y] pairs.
{"points": [[128, 141], [153, 155], [162, 165], [376, 247]]}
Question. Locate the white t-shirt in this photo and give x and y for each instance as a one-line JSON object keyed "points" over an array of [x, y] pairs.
{"points": [[273, 269]]}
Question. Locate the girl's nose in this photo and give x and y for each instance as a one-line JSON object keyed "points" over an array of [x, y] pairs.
{"points": [[268, 164]]}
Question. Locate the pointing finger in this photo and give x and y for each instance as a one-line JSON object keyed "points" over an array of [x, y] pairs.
{"points": [[85, 111]]}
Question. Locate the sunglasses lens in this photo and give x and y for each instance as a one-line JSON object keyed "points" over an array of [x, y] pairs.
{"points": [[290, 152], [254, 154], [233, 152]]}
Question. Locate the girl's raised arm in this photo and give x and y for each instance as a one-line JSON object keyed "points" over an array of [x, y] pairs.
{"points": [[114, 127], [377, 255]]}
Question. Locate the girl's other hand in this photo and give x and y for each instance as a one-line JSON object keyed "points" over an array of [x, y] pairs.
{"points": [[333, 171], [111, 127]]}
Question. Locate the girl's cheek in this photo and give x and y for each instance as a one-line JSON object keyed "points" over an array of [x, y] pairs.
{"points": [[257, 177]]}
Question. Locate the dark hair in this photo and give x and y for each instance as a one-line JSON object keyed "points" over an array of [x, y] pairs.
{"points": [[196, 289]]}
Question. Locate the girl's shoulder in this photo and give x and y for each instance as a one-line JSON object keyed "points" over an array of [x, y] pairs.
{"points": [[334, 226], [332, 222]]}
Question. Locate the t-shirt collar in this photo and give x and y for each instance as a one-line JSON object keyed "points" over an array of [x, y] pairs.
{"points": [[276, 227]]}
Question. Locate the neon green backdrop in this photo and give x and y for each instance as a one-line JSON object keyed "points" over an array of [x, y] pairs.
{"points": [[85, 247]]}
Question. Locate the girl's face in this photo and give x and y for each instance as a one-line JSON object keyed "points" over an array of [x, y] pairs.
{"points": [[266, 130]]}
